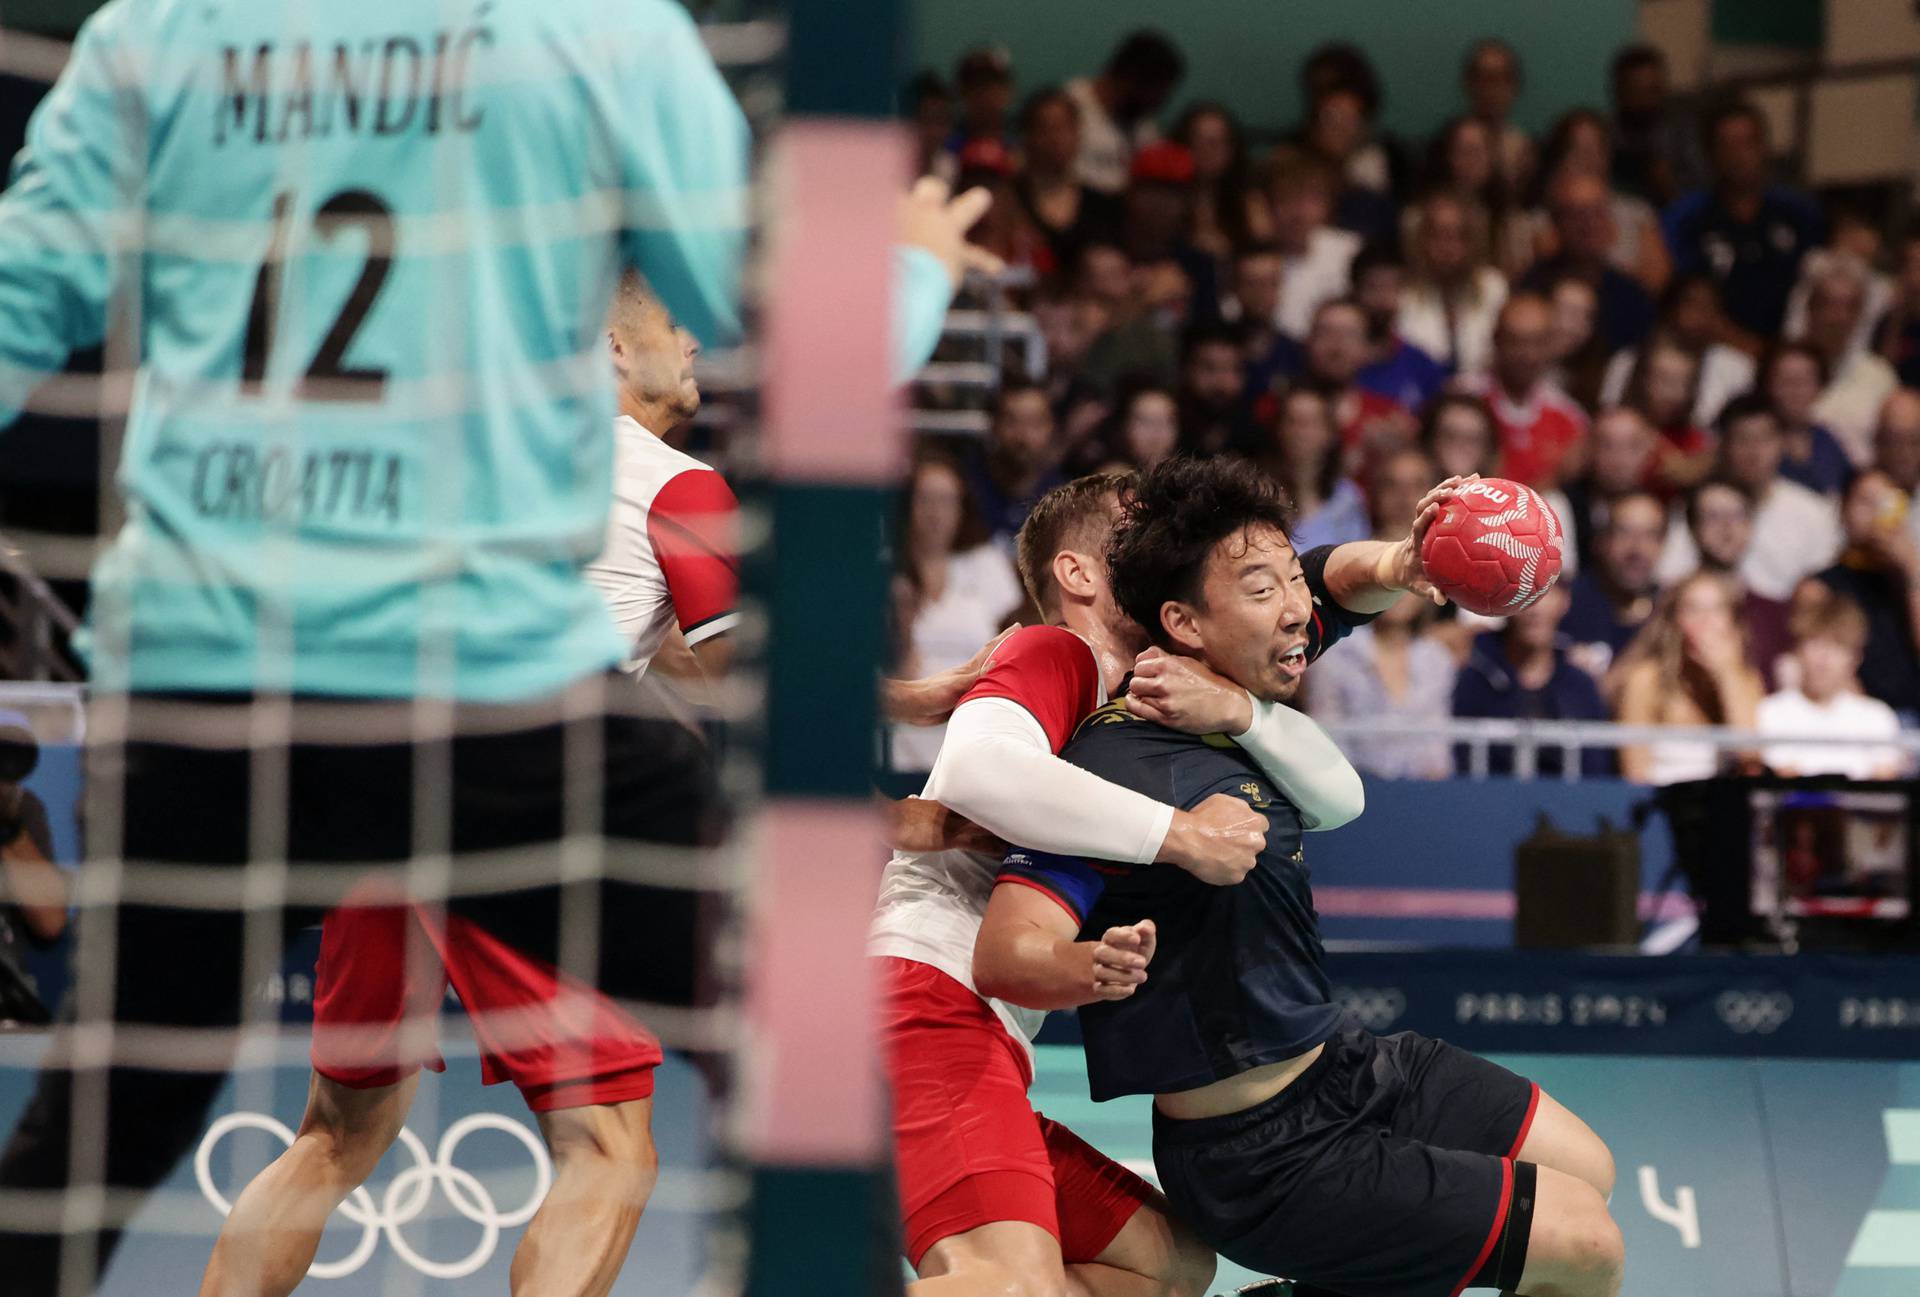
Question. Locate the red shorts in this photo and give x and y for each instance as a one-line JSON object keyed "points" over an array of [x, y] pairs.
{"points": [[971, 1149], [384, 971]]}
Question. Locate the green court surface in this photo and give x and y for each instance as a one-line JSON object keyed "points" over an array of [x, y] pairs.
{"points": [[1737, 1177]]}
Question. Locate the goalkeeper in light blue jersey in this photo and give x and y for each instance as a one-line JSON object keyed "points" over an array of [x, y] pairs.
{"points": [[367, 247]]}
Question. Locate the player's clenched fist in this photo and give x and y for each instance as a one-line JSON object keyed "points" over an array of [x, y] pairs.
{"points": [[1120, 959], [1219, 841]]}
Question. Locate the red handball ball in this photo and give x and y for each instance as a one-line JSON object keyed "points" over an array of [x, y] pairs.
{"points": [[1495, 548]]}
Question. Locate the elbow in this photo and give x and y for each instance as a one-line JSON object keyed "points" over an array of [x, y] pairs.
{"points": [[989, 976], [1346, 800]]}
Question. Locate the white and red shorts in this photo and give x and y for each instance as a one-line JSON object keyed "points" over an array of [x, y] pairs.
{"points": [[384, 970], [970, 1148]]}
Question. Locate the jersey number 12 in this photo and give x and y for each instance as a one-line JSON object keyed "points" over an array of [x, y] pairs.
{"points": [[327, 378]]}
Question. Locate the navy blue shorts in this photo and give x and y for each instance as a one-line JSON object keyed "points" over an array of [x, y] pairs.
{"points": [[1385, 1170]]}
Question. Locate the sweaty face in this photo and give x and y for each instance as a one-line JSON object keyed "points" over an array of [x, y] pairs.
{"points": [[1251, 622]]}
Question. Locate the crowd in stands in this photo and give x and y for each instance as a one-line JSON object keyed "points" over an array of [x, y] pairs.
{"points": [[1714, 379]]}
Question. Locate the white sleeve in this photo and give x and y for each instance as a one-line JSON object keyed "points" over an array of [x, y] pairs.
{"points": [[996, 768], [1306, 763]]}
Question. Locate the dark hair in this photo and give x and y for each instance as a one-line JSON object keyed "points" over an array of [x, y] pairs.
{"points": [[1012, 385], [1747, 405], [1682, 283], [1559, 143], [1615, 510], [1177, 512], [1781, 349], [1268, 248], [1207, 334], [1056, 521], [1375, 255], [1637, 55], [1328, 472], [1229, 191], [1147, 55], [1340, 66], [1717, 481], [983, 65], [1040, 99], [924, 86]]}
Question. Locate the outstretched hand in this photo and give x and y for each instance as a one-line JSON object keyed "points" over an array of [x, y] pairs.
{"points": [[1407, 570], [931, 218]]}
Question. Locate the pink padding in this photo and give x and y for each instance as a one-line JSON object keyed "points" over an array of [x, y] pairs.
{"points": [[831, 409], [812, 1085]]}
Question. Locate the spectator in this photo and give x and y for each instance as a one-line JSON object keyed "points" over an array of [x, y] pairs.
{"points": [[1461, 161], [1690, 314], [1253, 307], [1522, 672], [1584, 233], [1719, 522], [1118, 106], [1369, 423], [1689, 667], [1748, 234], [1134, 344], [1020, 463], [1656, 145], [1542, 430], [984, 79], [1062, 206], [1453, 296], [1829, 637], [1880, 571], [1006, 230], [1375, 163], [1304, 457], [1665, 389], [1149, 427], [1458, 433], [1899, 332], [1580, 353], [1337, 130], [1896, 449], [1859, 381], [1395, 486], [1792, 379], [952, 591], [1316, 258], [930, 100], [1214, 415], [1622, 449], [1158, 212], [1220, 219], [1390, 672], [1581, 144], [1854, 244], [1612, 597], [1490, 75], [1796, 531], [1395, 368]]}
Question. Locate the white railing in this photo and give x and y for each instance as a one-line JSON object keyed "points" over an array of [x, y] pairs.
{"points": [[1529, 739]]}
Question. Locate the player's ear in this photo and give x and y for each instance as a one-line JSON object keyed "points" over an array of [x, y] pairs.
{"points": [[618, 352], [1073, 574], [1181, 626]]}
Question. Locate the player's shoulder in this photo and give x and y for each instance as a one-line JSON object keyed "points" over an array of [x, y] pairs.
{"points": [[647, 463], [1043, 641], [1112, 728]]}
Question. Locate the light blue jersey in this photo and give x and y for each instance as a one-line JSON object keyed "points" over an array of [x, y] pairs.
{"points": [[366, 247]]}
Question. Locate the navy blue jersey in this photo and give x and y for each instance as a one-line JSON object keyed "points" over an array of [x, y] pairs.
{"points": [[1236, 983]]}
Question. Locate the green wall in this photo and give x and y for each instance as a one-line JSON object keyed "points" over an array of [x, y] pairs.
{"points": [[1248, 52]]}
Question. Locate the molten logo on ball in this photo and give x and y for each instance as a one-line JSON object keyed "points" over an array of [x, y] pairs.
{"points": [[1494, 549]]}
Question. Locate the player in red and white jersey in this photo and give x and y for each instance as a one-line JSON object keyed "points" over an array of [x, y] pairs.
{"points": [[996, 1197], [670, 558]]}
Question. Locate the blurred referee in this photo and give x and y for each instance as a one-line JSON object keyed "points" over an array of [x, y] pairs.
{"points": [[360, 254]]}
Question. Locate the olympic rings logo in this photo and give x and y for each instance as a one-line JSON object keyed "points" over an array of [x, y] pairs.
{"points": [[1758, 1013], [1374, 1007], [407, 1196]]}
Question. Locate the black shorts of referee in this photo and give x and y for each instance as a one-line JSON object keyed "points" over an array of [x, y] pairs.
{"points": [[551, 818], [1386, 1169]]}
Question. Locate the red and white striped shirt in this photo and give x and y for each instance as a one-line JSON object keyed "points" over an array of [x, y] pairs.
{"points": [[670, 556]]}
